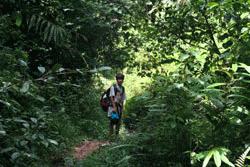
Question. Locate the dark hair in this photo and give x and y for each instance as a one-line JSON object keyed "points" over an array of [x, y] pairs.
{"points": [[119, 76]]}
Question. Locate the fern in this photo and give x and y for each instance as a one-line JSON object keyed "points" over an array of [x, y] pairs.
{"points": [[241, 160], [48, 30]]}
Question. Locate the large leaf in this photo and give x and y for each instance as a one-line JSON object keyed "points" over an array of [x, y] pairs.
{"points": [[41, 69], [226, 161], [246, 67], [207, 158], [25, 87], [217, 158]]}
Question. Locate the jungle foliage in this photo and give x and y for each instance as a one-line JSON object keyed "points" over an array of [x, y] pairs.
{"points": [[49, 97], [193, 112], [196, 111]]}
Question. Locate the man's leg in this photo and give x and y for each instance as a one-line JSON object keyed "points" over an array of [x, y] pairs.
{"points": [[111, 126], [118, 125], [117, 129]]}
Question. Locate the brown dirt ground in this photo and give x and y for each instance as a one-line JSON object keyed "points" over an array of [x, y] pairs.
{"points": [[87, 147]]}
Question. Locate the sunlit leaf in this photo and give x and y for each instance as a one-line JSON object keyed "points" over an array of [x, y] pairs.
{"points": [[226, 161], [207, 158], [234, 67], [2, 132], [41, 69], [22, 63], [246, 67], [25, 87], [213, 4], [217, 159], [53, 141], [5, 103], [216, 85], [33, 120]]}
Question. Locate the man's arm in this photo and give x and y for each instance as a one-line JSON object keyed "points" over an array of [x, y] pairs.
{"points": [[112, 97]]}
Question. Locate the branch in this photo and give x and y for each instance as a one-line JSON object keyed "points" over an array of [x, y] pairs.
{"points": [[210, 31]]}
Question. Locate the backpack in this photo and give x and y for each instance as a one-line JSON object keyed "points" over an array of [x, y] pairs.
{"points": [[105, 100]]}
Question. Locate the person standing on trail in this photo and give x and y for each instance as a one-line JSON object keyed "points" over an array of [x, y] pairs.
{"points": [[117, 96]]}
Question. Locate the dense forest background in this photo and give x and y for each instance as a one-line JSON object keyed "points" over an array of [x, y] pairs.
{"points": [[187, 75]]}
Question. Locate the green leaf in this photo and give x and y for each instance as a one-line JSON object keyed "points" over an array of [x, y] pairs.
{"points": [[32, 21], [41, 69], [246, 81], [53, 141], [26, 125], [38, 23], [226, 161], [45, 143], [2, 132], [247, 68], [56, 67], [217, 159], [183, 57], [234, 67], [23, 63], [19, 120], [239, 96], [41, 136], [25, 87], [40, 98], [216, 85], [173, 125], [207, 158], [46, 31], [34, 136], [23, 143], [244, 15], [5, 103], [33, 120], [15, 155], [18, 19], [51, 33], [213, 4]]}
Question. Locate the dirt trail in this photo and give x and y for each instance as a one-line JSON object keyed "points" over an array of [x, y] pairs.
{"points": [[87, 147]]}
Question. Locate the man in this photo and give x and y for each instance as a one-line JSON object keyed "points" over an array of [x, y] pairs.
{"points": [[117, 96]]}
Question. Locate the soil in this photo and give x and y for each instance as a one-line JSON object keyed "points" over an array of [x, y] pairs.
{"points": [[88, 147]]}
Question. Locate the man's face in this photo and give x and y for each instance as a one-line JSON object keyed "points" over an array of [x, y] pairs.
{"points": [[119, 81]]}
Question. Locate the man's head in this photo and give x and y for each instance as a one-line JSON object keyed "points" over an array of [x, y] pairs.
{"points": [[119, 78]]}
